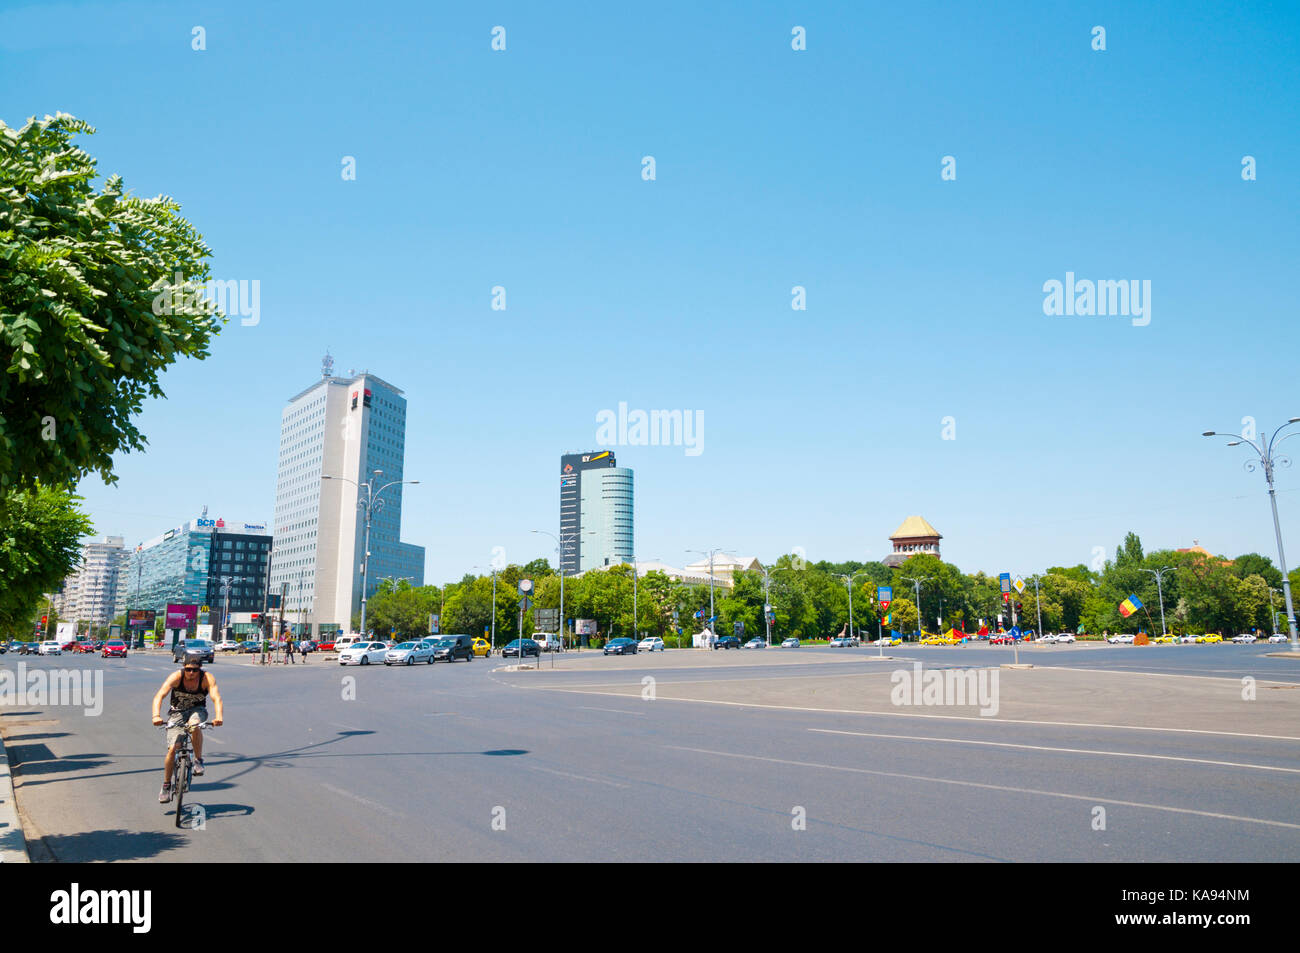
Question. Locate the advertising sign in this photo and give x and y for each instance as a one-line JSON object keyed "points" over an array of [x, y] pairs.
{"points": [[586, 627], [1005, 580], [141, 619], [434, 621], [181, 616]]}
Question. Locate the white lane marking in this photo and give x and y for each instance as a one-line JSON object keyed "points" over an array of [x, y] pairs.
{"points": [[907, 714], [1109, 754], [1092, 798], [209, 739], [373, 805], [1233, 676], [577, 777], [144, 669], [621, 711]]}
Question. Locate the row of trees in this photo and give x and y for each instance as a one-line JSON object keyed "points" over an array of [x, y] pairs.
{"points": [[1200, 594]]}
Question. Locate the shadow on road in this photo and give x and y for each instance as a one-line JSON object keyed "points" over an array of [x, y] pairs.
{"points": [[110, 845]]}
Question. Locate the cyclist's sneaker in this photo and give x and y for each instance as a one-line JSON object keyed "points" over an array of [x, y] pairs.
{"points": [[198, 768], [165, 795]]}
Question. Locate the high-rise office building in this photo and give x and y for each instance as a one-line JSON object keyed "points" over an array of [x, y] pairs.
{"points": [[344, 428], [595, 511]]}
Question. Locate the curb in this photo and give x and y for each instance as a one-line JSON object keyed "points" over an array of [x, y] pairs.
{"points": [[13, 846]]}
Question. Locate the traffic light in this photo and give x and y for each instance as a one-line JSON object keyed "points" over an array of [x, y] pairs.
{"points": [[1019, 609]]}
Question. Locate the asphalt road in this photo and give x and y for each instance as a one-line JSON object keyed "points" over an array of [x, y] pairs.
{"points": [[789, 755]]}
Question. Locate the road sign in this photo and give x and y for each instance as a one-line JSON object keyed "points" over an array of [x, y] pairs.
{"points": [[1006, 597], [739, 627], [1015, 632], [1005, 580], [1020, 584], [884, 606]]}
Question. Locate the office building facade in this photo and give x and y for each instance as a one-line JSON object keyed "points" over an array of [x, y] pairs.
{"points": [[90, 594], [596, 511], [344, 428]]}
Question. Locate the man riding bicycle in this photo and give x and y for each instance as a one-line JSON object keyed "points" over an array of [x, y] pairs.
{"points": [[190, 688]]}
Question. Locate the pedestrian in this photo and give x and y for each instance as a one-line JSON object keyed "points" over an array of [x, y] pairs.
{"points": [[288, 650], [302, 650]]}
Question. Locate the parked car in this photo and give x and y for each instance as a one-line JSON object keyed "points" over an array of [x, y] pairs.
{"points": [[620, 647], [1210, 638], [363, 653], [227, 645], [1244, 638], [756, 643], [1051, 638], [195, 645], [250, 646], [887, 641], [841, 641], [1066, 637], [451, 647], [114, 648], [325, 645], [1124, 639], [50, 647], [521, 648], [83, 648], [1279, 637], [651, 644], [344, 641], [482, 648], [408, 653], [727, 642], [790, 643], [1164, 639]]}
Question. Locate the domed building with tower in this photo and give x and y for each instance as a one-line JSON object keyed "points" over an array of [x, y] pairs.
{"points": [[916, 535]]}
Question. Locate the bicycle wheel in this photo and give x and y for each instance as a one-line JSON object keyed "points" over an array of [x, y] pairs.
{"points": [[182, 782]]}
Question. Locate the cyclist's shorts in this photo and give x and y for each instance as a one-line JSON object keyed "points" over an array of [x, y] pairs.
{"points": [[190, 716]]}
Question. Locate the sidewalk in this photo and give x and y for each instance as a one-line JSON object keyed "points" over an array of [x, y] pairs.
{"points": [[13, 847]]}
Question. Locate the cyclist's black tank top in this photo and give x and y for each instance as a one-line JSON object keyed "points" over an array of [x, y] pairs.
{"points": [[183, 698]]}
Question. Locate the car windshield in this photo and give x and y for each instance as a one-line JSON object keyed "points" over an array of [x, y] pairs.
{"points": [[404, 645], [116, 644]]}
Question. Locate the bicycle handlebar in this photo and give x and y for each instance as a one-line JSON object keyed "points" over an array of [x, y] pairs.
{"points": [[206, 724]]}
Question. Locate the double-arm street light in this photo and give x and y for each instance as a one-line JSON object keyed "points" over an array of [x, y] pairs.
{"points": [[768, 611], [562, 543], [370, 503], [1160, 592], [1268, 459], [917, 581], [848, 582], [713, 616]]}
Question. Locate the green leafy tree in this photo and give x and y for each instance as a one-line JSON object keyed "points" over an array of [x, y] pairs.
{"points": [[91, 308], [41, 529]]}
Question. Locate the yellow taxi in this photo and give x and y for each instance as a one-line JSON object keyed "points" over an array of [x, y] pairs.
{"points": [[1164, 639], [1210, 638], [482, 647]]}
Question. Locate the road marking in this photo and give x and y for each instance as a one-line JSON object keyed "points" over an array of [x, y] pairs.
{"points": [[144, 669], [621, 711], [576, 777], [907, 714], [995, 787], [1128, 671], [1111, 754], [373, 805]]}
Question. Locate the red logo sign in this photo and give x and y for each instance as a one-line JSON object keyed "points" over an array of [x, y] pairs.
{"points": [[221, 523]]}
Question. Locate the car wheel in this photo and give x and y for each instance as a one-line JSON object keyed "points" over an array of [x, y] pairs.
{"points": [[365, 660], [430, 659], [410, 660]]}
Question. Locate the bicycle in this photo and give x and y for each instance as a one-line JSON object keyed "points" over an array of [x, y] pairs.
{"points": [[184, 765]]}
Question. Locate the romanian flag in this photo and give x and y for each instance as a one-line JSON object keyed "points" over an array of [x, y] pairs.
{"points": [[1129, 606]]}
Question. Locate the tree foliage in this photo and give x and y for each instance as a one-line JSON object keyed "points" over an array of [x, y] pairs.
{"points": [[40, 544], [99, 293]]}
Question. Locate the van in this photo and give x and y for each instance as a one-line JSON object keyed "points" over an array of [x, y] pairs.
{"points": [[448, 648], [344, 641], [547, 642]]}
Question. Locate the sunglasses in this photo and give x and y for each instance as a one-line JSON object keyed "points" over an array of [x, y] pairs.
{"points": [[193, 670]]}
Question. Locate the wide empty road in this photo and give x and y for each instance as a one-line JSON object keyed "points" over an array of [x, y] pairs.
{"points": [[1097, 754]]}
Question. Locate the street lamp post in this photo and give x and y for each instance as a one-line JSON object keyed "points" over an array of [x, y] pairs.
{"points": [[370, 504], [561, 543], [848, 581], [713, 616], [917, 583], [1267, 460], [1160, 594]]}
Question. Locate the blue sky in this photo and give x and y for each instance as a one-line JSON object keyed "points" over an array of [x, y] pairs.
{"points": [[775, 168]]}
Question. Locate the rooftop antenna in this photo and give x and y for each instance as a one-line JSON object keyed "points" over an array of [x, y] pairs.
{"points": [[327, 365], [205, 511]]}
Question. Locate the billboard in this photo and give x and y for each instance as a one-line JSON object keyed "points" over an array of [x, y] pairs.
{"points": [[585, 626], [181, 616], [141, 619]]}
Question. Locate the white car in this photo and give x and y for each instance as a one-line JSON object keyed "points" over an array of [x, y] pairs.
{"points": [[50, 648], [228, 645], [1048, 639], [1278, 637], [363, 653], [1244, 638], [1067, 637], [1121, 639], [651, 644]]}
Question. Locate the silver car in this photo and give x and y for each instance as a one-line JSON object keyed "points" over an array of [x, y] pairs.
{"points": [[408, 653], [363, 653]]}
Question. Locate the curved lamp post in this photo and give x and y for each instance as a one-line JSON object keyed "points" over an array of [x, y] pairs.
{"points": [[1268, 459], [371, 503]]}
